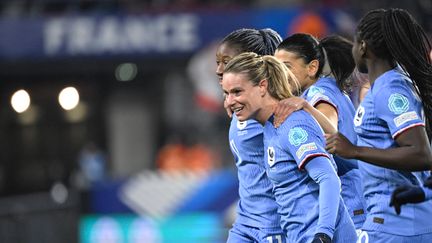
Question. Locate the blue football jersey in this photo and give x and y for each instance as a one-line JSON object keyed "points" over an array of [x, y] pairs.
{"points": [[257, 206], [326, 90], [389, 108], [288, 148]]}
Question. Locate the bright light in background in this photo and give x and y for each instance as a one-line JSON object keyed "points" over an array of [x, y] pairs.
{"points": [[68, 98], [126, 71], [20, 101]]}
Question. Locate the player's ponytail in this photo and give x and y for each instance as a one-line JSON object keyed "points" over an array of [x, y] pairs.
{"points": [[340, 60]]}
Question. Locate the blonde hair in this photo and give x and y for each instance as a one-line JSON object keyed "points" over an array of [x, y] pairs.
{"points": [[282, 83]]}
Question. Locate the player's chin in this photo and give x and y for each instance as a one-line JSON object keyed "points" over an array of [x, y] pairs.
{"points": [[242, 116]]}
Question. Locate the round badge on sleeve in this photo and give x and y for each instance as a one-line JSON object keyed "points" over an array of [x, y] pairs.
{"points": [[398, 103], [297, 136]]}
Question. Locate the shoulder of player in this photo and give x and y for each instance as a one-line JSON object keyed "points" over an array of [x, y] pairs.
{"points": [[391, 79], [324, 88], [299, 117], [392, 84]]}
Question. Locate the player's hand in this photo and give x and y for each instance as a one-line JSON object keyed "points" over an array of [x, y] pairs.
{"points": [[285, 107], [338, 144], [406, 194], [428, 182], [321, 238], [227, 108]]}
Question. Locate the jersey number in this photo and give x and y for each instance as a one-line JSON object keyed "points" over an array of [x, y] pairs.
{"points": [[274, 239]]}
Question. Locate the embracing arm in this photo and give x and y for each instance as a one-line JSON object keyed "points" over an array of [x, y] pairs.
{"points": [[413, 153], [326, 115], [287, 106]]}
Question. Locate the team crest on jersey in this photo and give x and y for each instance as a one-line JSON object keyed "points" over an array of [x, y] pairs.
{"points": [[398, 103], [313, 90], [358, 118], [241, 124], [271, 156], [297, 136]]}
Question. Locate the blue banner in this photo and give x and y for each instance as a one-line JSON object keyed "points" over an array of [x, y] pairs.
{"points": [[134, 35]]}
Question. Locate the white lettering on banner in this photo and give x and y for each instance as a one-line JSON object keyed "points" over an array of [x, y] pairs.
{"points": [[115, 35], [79, 36]]}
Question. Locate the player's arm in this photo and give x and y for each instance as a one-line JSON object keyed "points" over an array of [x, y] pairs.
{"points": [[322, 172], [287, 106], [396, 107], [329, 122], [413, 153]]}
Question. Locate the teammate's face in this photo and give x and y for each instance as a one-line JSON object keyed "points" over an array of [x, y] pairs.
{"points": [[358, 52], [297, 65], [242, 96], [224, 54]]}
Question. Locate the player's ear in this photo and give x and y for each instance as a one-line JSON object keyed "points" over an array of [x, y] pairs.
{"points": [[312, 68], [263, 84]]}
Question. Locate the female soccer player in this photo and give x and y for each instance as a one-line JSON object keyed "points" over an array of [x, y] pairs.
{"points": [[393, 49], [323, 69], [257, 218], [305, 183]]}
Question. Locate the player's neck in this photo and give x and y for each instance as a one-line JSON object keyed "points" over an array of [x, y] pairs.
{"points": [[377, 67], [266, 110]]}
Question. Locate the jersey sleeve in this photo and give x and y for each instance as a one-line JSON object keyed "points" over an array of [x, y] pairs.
{"points": [[397, 107], [318, 95], [303, 139]]}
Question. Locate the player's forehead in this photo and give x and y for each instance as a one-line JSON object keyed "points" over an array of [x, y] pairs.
{"points": [[235, 80], [225, 50]]}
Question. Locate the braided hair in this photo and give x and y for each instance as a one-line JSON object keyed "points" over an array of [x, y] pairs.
{"points": [[395, 36]]}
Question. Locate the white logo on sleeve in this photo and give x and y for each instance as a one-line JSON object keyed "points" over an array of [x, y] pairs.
{"points": [[271, 156], [305, 148], [405, 117]]}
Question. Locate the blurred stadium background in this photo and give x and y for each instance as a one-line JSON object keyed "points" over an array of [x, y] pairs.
{"points": [[111, 124]]}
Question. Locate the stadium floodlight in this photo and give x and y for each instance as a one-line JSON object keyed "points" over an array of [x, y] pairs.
{"points": [[68, 98], [20, 101]]}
